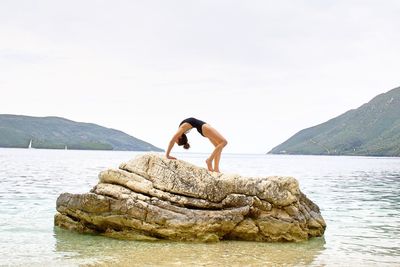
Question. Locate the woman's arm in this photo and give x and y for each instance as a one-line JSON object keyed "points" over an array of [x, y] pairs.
{"points": [[174, 139], [170, 146]]}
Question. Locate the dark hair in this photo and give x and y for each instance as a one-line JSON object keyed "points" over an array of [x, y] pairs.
{"points": [[183, 141]]}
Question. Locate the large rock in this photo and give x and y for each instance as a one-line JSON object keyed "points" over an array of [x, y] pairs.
{"points": [[152, 198]]}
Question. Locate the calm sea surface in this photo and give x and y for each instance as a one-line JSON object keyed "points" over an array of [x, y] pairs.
{"points": [[359, 198]]}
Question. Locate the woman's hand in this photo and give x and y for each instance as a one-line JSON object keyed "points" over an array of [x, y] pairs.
{"points": [[170, 157]]}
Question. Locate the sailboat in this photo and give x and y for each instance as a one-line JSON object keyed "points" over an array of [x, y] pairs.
{"points": [[66, 147], [30, 144]]}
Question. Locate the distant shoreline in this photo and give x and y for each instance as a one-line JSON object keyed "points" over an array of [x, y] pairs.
{"points": [[205, 153], [74, 149], [20, 131]]}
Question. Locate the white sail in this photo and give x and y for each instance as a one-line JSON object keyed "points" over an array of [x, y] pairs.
{"points": [[30, 144]]}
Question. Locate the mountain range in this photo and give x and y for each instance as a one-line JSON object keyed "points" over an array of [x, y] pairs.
{"points": [[19, 131], [373, 129]]}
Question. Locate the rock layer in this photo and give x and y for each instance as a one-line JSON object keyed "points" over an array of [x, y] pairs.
{"points": [[152, 198]]}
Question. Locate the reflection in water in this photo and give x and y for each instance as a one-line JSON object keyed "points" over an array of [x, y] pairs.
{"points": [[358, 196], [98, 250]]}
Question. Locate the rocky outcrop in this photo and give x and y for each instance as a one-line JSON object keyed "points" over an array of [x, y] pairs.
{"points": [[152, 197]]}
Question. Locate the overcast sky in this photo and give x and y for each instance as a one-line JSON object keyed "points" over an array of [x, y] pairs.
{"points": [[258, 71]]}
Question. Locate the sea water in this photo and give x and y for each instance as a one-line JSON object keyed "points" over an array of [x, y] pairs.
{"points": [[359, 198]]}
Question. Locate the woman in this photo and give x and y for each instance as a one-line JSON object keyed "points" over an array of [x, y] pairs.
{"points": [[205, 130]]}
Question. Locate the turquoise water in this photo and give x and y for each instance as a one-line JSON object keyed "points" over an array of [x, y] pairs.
{"points": [[358, 196]]}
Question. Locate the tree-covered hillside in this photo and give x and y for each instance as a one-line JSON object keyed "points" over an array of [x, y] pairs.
{"points": [[54, 132], [370, 130]]}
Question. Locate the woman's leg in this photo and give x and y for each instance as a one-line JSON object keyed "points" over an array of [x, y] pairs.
{"points": [[218, 155], [219, 142], [210, 159]]}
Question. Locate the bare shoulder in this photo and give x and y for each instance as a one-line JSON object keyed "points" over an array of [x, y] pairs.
{"points": [[181, 130], [185, 126]]}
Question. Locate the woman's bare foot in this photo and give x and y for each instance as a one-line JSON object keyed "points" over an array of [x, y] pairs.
{"points": [[209, 165]]}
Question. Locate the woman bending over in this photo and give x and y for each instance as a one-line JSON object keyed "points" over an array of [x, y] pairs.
{"points": [[205, 130]]}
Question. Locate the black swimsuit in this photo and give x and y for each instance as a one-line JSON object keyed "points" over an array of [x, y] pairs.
{"points": [[195, 124]]}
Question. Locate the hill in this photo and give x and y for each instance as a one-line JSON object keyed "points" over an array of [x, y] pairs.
{"points": [[55, 132], [370, 130]]}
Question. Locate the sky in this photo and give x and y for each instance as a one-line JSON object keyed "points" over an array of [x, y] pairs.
{"points": [[257, 70]]}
